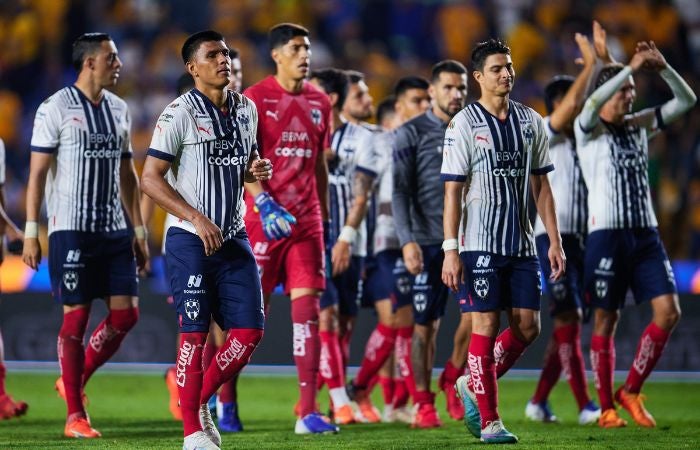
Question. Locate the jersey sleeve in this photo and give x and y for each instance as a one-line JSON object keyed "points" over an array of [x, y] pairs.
{"points": [[46, 134], [127, 149], [367, 158], [650, 119], [328, 129], [169, 134], [541, 163], [456, 152], [2, 162], [254, 126]]}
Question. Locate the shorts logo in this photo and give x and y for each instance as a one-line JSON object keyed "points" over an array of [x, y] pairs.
{"points": [[420, 301], [559, 291], [421, 278], [605, 263], [669, 272], [70, 280], [192, 308], [481, 287], [73, 256], [539, 281], [403, 284], [483, 261], [316, 116], [194, 281], [601, 288], [260, 248]]}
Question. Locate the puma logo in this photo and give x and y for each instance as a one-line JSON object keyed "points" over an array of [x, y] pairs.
{"points": [[272, 114]]}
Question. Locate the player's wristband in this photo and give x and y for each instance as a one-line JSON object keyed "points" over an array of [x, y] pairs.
{"points": [[31, 230], [450, 244], [140, 232], [347, 234]]}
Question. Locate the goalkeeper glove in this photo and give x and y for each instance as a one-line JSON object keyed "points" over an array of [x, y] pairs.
{"points": [[276, 221]]}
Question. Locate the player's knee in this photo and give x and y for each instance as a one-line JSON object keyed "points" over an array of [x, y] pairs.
{"points": [[669, 317], [74, 323], [123, 320], [305, 309]]}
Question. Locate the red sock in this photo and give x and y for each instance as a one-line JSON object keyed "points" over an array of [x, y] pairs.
{"points": [[107, 338], [71, 357], [451, 373], [306, 349], [651, 346], [208, 353], [603, 364], [372, 382], [330, 365], [568, 340], [403, 358], [506, 351], [401, 393], [482, 368], [229, 390], [230, 359], [188, 369], [387, 384], [550, 373], [378, 349]]}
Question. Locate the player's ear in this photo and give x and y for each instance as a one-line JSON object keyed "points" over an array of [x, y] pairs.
{"points": [[274, 54], [477, 76], [431, 91], [191, 69], [334, 99]]}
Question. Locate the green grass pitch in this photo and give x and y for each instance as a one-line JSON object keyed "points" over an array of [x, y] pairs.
{"points": [[131, 412]]}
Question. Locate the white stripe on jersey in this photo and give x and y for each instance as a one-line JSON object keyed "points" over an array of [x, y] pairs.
{"points": [[614, 161], [353, 149], [88, 141], [209, 152], [568, 187], [384, 234], [495, 159]]}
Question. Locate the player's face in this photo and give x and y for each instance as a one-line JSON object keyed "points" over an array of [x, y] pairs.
{"points": [[211, 65], [621, 102], [358, 103], [412, 103], [293, 58], [106, 64], [498, 75], [236, 82], [449, 92]]}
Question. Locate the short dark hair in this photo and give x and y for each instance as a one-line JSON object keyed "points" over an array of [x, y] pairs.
{"points": [[192, 43], [84, 45], [385, 108], [355, 76], [607, 72], [487, 48], [233, 53], [282, 33], [410, 82], [184, 83], [448, 66], [334, 81], [556, 87]]}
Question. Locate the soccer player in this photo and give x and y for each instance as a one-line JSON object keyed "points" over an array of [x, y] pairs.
{"points": [[294, 130], [205, 143], [564, 97], [416, 202], [495, 153], [81, 154], [9, 408], [623, 249], [387, 283]]}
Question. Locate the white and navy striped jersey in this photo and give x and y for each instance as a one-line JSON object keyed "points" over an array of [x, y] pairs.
{"points": [[568, 187], [209, 152], [353, 150], [384, 236], [614, 160], [88, 142], [495, 158]]}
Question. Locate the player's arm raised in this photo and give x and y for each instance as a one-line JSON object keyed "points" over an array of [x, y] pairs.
{"points": [[404, 178], [683, 96]]}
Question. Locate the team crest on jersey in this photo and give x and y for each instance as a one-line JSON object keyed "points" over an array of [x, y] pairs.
{"points": [[316, 116], [70, 280], [481, 287], [528, 133], [420, 301], [601, 288], [192, 308]]}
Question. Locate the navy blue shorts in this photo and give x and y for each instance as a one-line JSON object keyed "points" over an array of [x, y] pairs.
{"points": [[429, 292], [617, 260], [84, 266], [344, 290], [386, 277], [496, 282], [224, 286], [566, 294]]}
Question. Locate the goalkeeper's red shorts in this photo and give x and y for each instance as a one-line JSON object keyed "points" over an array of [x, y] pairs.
{"points": [[296, 262]]}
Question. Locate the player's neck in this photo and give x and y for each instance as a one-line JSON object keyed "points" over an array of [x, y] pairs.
{"points": [[90, 89], [348, 118], [610, 116], [495, 104], [217, 96], [290, 85], [440, 114]]}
